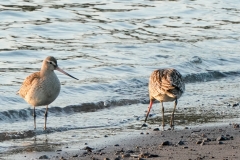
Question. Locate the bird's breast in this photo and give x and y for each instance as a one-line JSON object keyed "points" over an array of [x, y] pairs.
{"points": [[44, 91]]}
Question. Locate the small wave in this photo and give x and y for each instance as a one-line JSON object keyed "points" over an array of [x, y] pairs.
{"points": [[208, 76], [130, 92], [26, 114]]}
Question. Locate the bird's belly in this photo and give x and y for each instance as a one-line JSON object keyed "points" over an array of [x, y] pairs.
{"points": [[43, 94], [164, 98]]}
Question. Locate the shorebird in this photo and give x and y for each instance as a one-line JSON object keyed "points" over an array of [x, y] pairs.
{"points": [[165, 85], [42, 88]]}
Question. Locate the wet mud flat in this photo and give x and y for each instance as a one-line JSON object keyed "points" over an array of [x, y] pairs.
{"points": [[215, 142], [211, 142]]}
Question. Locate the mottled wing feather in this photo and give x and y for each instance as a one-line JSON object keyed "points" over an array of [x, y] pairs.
{"points": [[27, 84], [166, 81]]}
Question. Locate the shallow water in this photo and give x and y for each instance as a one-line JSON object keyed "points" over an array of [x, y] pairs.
{"points": [[112, 47]]}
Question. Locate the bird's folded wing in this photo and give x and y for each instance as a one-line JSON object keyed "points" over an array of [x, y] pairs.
{"points": [[28, 82]]}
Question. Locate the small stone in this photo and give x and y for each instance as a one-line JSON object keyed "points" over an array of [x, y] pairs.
{"points": [[43, 157], [235, 104], [185, 147], [185, 127], [129, 151], [106, 159], [156, 129], [199, 142], [59, 150], [143, 155], [75, 155], [144, 125], [154, 155], [197, 130], [235, 125], [165, 143], [180, 143], [105, 135], [221, 138], [89, 149], [126, 155], [220, 142], [116, 145], [141, 133]]}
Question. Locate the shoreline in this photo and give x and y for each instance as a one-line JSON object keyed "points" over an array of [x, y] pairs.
{"points": [[196, 142]]}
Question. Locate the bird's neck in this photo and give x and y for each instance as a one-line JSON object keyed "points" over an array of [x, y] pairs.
{"points": [[45, 72]]}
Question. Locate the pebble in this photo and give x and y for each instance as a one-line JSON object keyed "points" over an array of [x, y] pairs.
{"points": [[235, 125], [198, 130], [43, 157], [185, 147], [116, 145], [156, 129], [220, 142], [117, 158], [75, 155], [147, 155], [106, 159], [143, 155], [180, 143], [126, 155], [199, 142], [129, 151], [235, 104], [221, 138], [89, 149], [165, 143], [144, 125]]}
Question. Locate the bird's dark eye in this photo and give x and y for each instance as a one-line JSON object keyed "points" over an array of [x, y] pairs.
{"points": [[50, 62]]}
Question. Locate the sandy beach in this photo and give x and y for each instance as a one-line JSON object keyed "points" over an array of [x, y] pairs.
{"points": [[193, 143]]}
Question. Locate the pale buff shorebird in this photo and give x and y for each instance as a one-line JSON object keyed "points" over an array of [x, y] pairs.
{"points": [[42, 88], [165, 85]]}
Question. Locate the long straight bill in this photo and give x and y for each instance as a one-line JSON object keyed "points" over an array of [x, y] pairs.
{"points": [[60, 70]]}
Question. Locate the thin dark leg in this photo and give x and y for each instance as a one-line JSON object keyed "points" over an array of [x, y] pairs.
{"points": [[162, 116], [149, 109], [45, 125], [172, 118], [34, 117]]}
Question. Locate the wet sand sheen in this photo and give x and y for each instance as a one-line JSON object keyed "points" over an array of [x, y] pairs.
{"points": [[212, 142]]}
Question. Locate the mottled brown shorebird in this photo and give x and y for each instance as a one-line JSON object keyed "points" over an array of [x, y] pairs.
{"points": [[165, 85], [42, 88]]}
